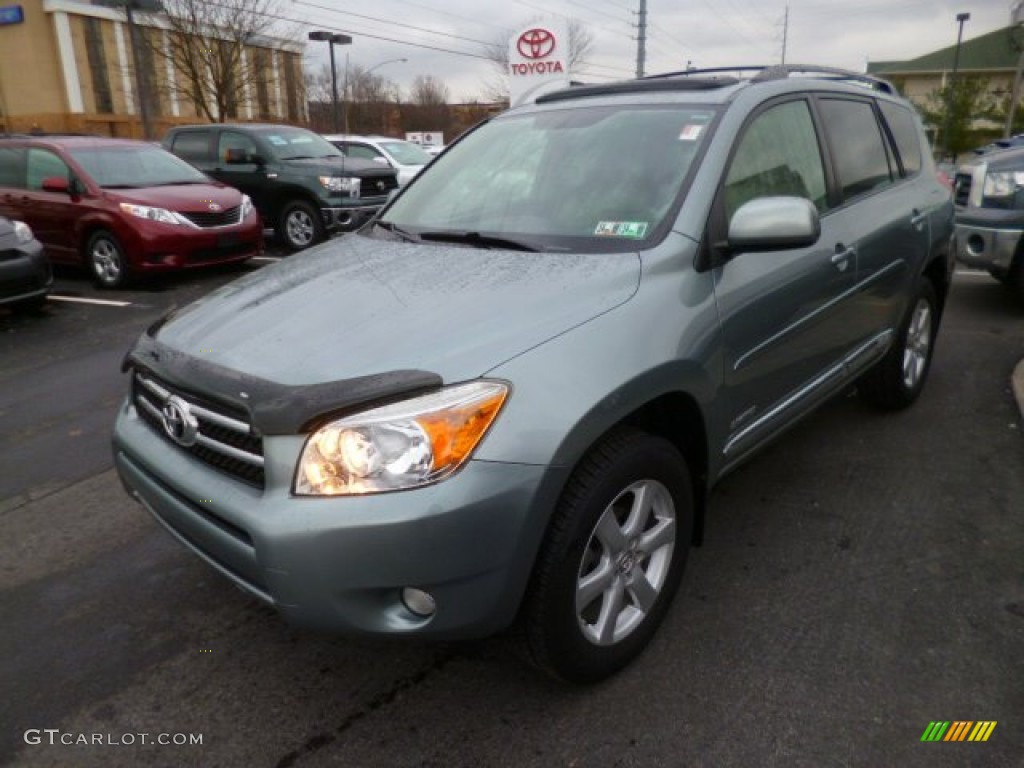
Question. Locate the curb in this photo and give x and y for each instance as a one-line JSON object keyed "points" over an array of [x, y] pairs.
{"points": [[1017, 380]]}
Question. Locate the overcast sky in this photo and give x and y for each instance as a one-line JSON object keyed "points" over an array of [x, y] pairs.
{"points": [[707, 33]]}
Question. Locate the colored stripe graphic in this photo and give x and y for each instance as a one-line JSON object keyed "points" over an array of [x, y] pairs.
{"points": [[935, 730], [982, 730], [959, 730]]}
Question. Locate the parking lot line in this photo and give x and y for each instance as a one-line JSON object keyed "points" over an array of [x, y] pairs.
{"points": [[265, 258], [80, 300]]}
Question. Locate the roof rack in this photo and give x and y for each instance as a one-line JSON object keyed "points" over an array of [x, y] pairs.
{"points": [[769, 72], [643, 85]]}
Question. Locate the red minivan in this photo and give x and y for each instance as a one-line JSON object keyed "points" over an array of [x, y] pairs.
{"points": [[123, 208]]}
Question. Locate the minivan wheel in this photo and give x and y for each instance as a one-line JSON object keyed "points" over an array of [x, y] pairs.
{"points": [[106, 260], [300, 225], [612, 560], [898, 378]]}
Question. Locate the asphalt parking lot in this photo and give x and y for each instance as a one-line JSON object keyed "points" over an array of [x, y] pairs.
{"points": [[860, 579]]}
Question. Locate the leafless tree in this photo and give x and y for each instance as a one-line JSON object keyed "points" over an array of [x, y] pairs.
{"points": [[428, 91], [581, 44], [219, 49]]}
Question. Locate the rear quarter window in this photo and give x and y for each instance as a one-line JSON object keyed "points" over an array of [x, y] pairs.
{"points": [[903, 126], [193, 146]]}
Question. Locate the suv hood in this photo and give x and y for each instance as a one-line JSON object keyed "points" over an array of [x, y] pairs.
{"points": [[359, 306]]}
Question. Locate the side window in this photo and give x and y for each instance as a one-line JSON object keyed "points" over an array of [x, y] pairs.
{"points": [[193, 146], [43, 164], [777, 155], [12, 167], [237, 141], [859, 150], [903, 125]]}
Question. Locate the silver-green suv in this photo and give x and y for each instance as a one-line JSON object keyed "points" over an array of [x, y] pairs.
{"points": [[507, 397]]}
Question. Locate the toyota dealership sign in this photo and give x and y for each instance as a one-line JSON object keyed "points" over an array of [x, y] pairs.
{"points": [[538, 60]]}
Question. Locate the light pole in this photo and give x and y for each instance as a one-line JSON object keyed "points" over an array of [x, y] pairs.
{"points": [[332, 39], [960, 18], [365, 73]]}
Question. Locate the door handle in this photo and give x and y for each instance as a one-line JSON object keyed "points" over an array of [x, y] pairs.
{"points": [[918, 219], [841, 258]]}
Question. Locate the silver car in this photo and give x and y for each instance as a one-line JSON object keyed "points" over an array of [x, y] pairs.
{"points": [[507, 398]]}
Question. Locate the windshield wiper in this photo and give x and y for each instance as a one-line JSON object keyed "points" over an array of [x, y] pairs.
{"points": [[478, 240], [390, 227], [299, 157], [119, 186]]}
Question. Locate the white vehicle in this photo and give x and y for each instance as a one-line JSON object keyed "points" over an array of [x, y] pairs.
{"points": [[404, 156]]}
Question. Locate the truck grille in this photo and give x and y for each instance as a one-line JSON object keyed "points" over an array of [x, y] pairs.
{"points": [[218, 438], [208, 220]]}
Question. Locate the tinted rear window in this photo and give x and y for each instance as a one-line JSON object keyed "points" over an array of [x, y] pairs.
{"points": [[192, 146], [861, 159], [904, 130]]}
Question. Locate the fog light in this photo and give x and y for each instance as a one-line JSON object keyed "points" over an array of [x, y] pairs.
{"points": [[419, 602]]}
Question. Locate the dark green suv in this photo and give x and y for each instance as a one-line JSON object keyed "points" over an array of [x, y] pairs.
{"points": [[301, 184]]}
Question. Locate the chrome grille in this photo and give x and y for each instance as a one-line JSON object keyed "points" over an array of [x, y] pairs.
{"points": [[223, 440], [209, 219]]}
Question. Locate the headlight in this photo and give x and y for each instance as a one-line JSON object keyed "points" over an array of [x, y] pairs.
{"points": [[22, 231], [153, 214], [246, 205], [398, 446], [347, 184], [1002, 183]]}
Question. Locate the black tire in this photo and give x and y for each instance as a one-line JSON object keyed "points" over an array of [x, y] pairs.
{"points": [[104, 256], [897, 379], [1015, 278], [564, 632], [299, 225]]}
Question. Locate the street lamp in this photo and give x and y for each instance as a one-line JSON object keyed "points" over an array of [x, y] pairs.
{"points": [[960, 18], [365, 72], [332, 39]]}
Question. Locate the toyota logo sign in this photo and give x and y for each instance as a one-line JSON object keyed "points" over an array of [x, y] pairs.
{"points": [[535, 43]]}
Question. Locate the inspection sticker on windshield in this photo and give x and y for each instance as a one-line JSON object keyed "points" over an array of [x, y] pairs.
{"points": [[277, 141], [621, 228], [691, 132]]}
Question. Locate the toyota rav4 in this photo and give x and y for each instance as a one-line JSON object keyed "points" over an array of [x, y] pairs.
{"points": [[508, 397]]}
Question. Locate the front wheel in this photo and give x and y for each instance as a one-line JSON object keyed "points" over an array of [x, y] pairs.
{"points": [[612, 559], [300, 225], [898, 378], [106, 260]]}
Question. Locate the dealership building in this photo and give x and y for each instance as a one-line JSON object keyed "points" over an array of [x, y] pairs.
{"points": [[67, 66]]}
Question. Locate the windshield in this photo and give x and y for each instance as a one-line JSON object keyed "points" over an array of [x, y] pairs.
{"points": [[298, 144], [594, 178], [407, 153], [138, 165]]}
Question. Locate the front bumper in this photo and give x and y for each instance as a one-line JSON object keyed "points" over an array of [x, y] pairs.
{"points": [[25, 273], [349, 219], [988, 248], [160, 248], [340, 564]]}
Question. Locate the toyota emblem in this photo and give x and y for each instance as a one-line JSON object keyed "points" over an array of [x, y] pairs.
{"points": [[535, 43], [179, 423], [214, 207]]}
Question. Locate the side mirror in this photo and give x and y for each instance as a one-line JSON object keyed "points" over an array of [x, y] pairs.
{"points": [[382, 161], [774, 224], [57, 184]]}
